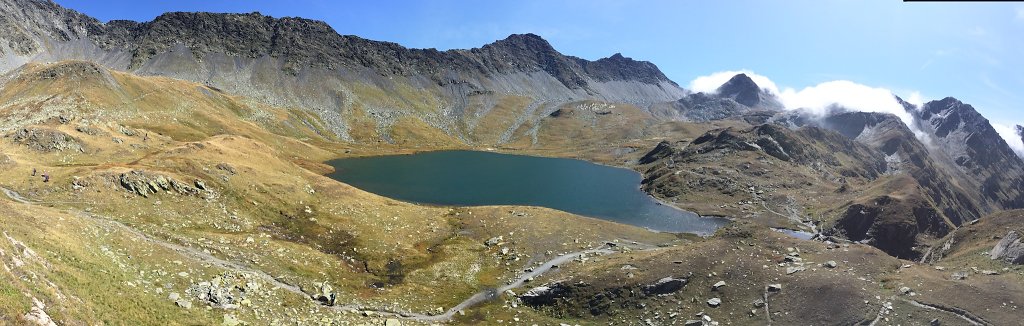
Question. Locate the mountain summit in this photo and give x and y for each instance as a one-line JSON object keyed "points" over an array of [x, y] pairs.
{"points": [[745, 91]]}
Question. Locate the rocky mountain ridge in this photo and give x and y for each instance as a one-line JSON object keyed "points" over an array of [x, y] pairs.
{"points": [[306, 64]]}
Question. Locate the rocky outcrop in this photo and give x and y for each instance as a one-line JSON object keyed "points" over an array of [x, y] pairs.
{"points": [[46, 140], [579, 299], [1010, 249], [144, 184], [660, 151], [891, 224]]}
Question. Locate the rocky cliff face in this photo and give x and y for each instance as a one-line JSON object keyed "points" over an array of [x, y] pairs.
{"points": [[974, 152], [307, 64]]}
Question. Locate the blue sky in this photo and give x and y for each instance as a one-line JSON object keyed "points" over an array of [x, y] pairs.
{"points": [[971, 51]]}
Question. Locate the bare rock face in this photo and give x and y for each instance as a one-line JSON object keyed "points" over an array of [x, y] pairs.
{"points": [[745, 91], [975, 153], [144, 183], [1010, 249], [46, 140]]}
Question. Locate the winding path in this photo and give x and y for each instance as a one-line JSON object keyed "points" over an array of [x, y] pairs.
{"points": [[475, 299]]}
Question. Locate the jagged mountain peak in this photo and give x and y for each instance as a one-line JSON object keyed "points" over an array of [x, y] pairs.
{"points": [[744, 90], [740, 83], [527, 41]]}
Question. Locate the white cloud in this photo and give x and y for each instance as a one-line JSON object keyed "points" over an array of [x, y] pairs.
{"points": [[1010, 136], [1020, 14], [818, 99], [710, 83], [915, 98], [847, 94]]}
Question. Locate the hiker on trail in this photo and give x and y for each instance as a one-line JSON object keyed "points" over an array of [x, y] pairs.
{"points": [[33, 172], [46, 177]]}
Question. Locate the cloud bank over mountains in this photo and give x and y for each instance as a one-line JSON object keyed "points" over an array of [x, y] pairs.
{"points": [[819, 98]]}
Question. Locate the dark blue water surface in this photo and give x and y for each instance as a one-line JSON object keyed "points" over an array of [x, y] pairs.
{"points": [[469, 178]]}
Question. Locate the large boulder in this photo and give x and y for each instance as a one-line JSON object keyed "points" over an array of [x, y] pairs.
{"points": [[1010, 249], [544, 295], [666, 285]]}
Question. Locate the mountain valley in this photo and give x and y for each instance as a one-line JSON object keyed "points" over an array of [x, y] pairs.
{"points": [[173, 172]]}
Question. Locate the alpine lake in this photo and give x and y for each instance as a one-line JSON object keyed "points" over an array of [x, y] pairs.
{"points": [[475, 178]]}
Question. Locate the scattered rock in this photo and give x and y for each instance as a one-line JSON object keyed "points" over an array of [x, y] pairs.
{"points": [[493, 241], [718, 285], [758, 303], [989, 272], [392, 322], [959, 276], [792, 270], [831, 264], [905, 290], [1009, 249], [774, 287], [714, 302], [692, 322], [225, 291]]}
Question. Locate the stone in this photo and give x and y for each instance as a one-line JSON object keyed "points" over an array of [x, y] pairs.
{"points": [[493, 241], [326, 294], [758, 303], [718, 285], [959, 276], [1009, 249], [666, 285], [692, 322], [184, 303], [392, 322], [774, 287], [905, 290], [831, 264], [793, 270], [230, 320], [714, 302]]}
